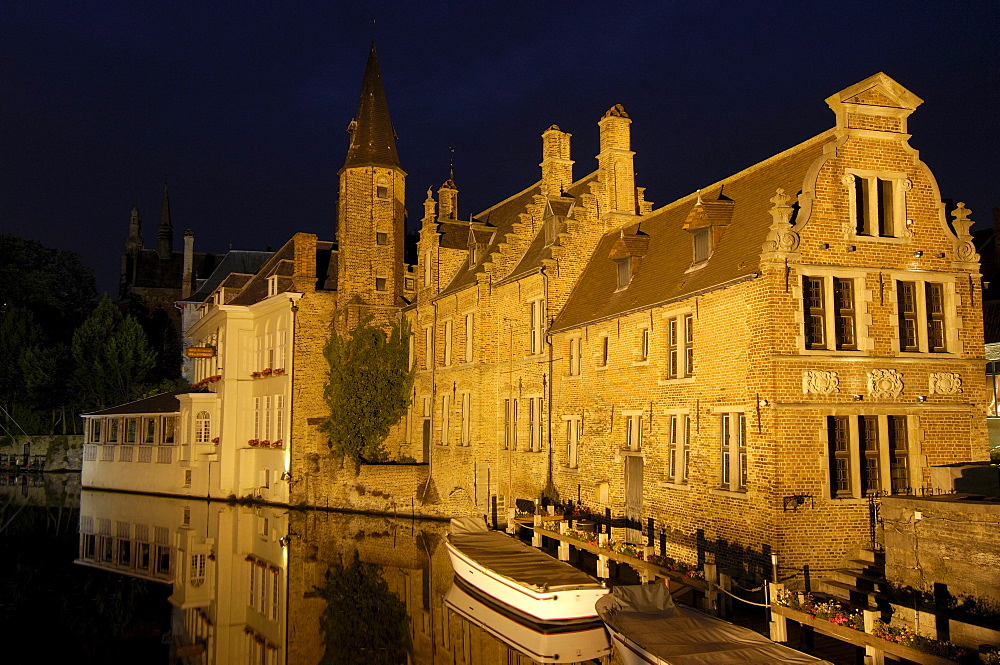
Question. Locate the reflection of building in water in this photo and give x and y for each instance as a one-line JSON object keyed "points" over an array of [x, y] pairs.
{"points": [[226, 565]]}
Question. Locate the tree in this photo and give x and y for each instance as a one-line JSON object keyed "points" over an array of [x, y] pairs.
{"points": [[368, 389], [111, 356]]}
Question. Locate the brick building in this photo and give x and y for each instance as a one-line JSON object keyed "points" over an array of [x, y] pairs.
{"points": [[744, 365]]}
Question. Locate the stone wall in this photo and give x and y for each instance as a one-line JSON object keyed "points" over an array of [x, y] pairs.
{"points": [[63, 452]]}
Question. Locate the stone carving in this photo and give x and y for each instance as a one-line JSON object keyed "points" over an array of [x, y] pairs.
{"points": [[885, 383], [848, 179], [945, 383], [781, 237], [820, 382], [965, 250]]}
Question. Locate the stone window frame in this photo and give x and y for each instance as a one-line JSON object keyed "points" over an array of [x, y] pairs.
{"points": [[574, 355], [682, 351], [952, 321], [447, 332], [536, 423], [382, 187], [679, 440], [603, 351], [901, 184], [574, 435], [469, 333], [863, 299], [734, 461], [855, 454], [465, 437], [444, 438], [633, 430], [536, 326]]}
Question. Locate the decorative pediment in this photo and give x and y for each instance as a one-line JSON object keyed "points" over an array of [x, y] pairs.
{"points": [[877, 104]]}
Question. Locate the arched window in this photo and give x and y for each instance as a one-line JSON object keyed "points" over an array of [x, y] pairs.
{"points": [[202, 427]]}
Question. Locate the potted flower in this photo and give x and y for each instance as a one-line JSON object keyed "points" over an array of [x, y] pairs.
{"points": [[265, 372], [265, 444], [254, 375], [279, 371], [277, 444], [215, 440], [254, 443]]}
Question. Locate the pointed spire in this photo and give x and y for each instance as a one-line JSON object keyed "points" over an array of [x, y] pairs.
{"points": [[373, 140], [165, 232]]}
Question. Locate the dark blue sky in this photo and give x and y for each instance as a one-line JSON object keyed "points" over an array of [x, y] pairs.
{"points": [[243, 107]]}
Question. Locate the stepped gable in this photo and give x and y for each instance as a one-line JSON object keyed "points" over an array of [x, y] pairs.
{"points": [[538, 251], [667, 272], [501, 218]]}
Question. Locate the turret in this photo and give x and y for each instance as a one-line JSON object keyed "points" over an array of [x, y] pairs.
{"points": [[165, 232]]}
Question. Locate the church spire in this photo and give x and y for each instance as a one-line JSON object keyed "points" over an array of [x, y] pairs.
{"points": [[165, 232], [373, 140]]}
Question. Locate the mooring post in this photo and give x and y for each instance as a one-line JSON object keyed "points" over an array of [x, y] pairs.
{"points": [[725, 601], [778, 624], [712, 594], [873, 655], [603, 570], [511, 524]]}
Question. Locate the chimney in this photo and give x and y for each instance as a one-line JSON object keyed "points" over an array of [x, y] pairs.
{"points": [[187, 283], [557, 167], [617, 173]]}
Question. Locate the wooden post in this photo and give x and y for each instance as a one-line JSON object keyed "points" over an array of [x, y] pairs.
{"points": [[778, 623], [873, 655], [602, 567], [511, 524], [563, 553], [725, 601], [712, 594]]}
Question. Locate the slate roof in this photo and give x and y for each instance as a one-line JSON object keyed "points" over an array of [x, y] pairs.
{"points": [[282, 263], [235, 261], [153, 272], [663, 275], [162, 403], [373, 140]]}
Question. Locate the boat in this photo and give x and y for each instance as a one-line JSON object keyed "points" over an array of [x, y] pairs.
{"points": [[647, 628], [519, 575], [542, 642]]}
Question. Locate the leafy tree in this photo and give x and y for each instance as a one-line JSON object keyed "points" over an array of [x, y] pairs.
{"points": [[111, 357], [364, 622], [18, 332], [53, 284], [368, 389]]}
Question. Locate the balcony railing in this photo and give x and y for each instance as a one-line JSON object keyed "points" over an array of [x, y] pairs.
{"points": [[126, 453], [164, 455], [145, 453], [107, 453]]}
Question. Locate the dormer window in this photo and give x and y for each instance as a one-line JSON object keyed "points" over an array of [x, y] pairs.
{"points": [[624, 268], [702, 244], [272, 286], [706, 223]]}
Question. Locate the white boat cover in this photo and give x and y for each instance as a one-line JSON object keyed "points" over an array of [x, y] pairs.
{"points": [[685, 636], [511, 558]]}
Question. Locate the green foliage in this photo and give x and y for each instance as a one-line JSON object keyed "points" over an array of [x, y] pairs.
{"points": [[364, 622], [368, 389], [18, 331], [53, 284], [111, 358]]}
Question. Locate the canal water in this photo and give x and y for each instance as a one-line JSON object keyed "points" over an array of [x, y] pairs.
{"points": [[102, 577]]}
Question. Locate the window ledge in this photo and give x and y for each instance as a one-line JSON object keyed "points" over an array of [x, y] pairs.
{"points": [[631, 452], [640, 363], [733, 494], [571, 377], [895, 240], [567, 467], [685, 487], [601, 368], [843, 353], [677, 381]]}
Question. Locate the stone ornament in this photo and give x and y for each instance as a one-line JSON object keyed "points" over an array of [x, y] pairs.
{"points": [[965, 250], [885, 383], [945, 383], [820, 382], [780, 237]]}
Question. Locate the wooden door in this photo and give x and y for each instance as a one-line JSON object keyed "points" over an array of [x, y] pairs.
{"points": [[633, 498], [427, 441]]}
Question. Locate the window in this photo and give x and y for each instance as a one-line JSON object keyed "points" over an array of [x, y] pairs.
{"points": [[921, 312], [574, 356], [198, 566], [169, 423], [279, 350], [604, 351], [427, 267], [113, 430], [202, 427], [679, 451], [272, 285], [470, 324], [428, 346], [823, 324], [624, 271], [633, 431], [447, 343], [279, 417], [875, 206], [680, 347], [510, 423], [644, 345], [409, 283], [382, 187], [574, 433], [702, 244], [466, 418], [266, 433], [187, 477], [733, 468], [445, 418], [381, 238], [95, 430], [535, 432], [256, 418], [131, 425], [380, 284], [537, 318], [149, 427], [862, 449]]}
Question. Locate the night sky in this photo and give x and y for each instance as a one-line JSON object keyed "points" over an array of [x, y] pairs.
{"points": [[243, 107]]}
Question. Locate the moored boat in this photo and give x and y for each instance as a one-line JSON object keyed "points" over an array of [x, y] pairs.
{"points": [[543, 642], [648, 629], [519, 575]]}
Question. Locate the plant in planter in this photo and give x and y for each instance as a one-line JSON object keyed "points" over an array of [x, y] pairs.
{"points": [[215, 440], [265, 372], [254, 443]]}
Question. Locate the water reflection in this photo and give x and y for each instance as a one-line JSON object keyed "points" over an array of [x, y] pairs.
{"points": [[265, 585]]}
